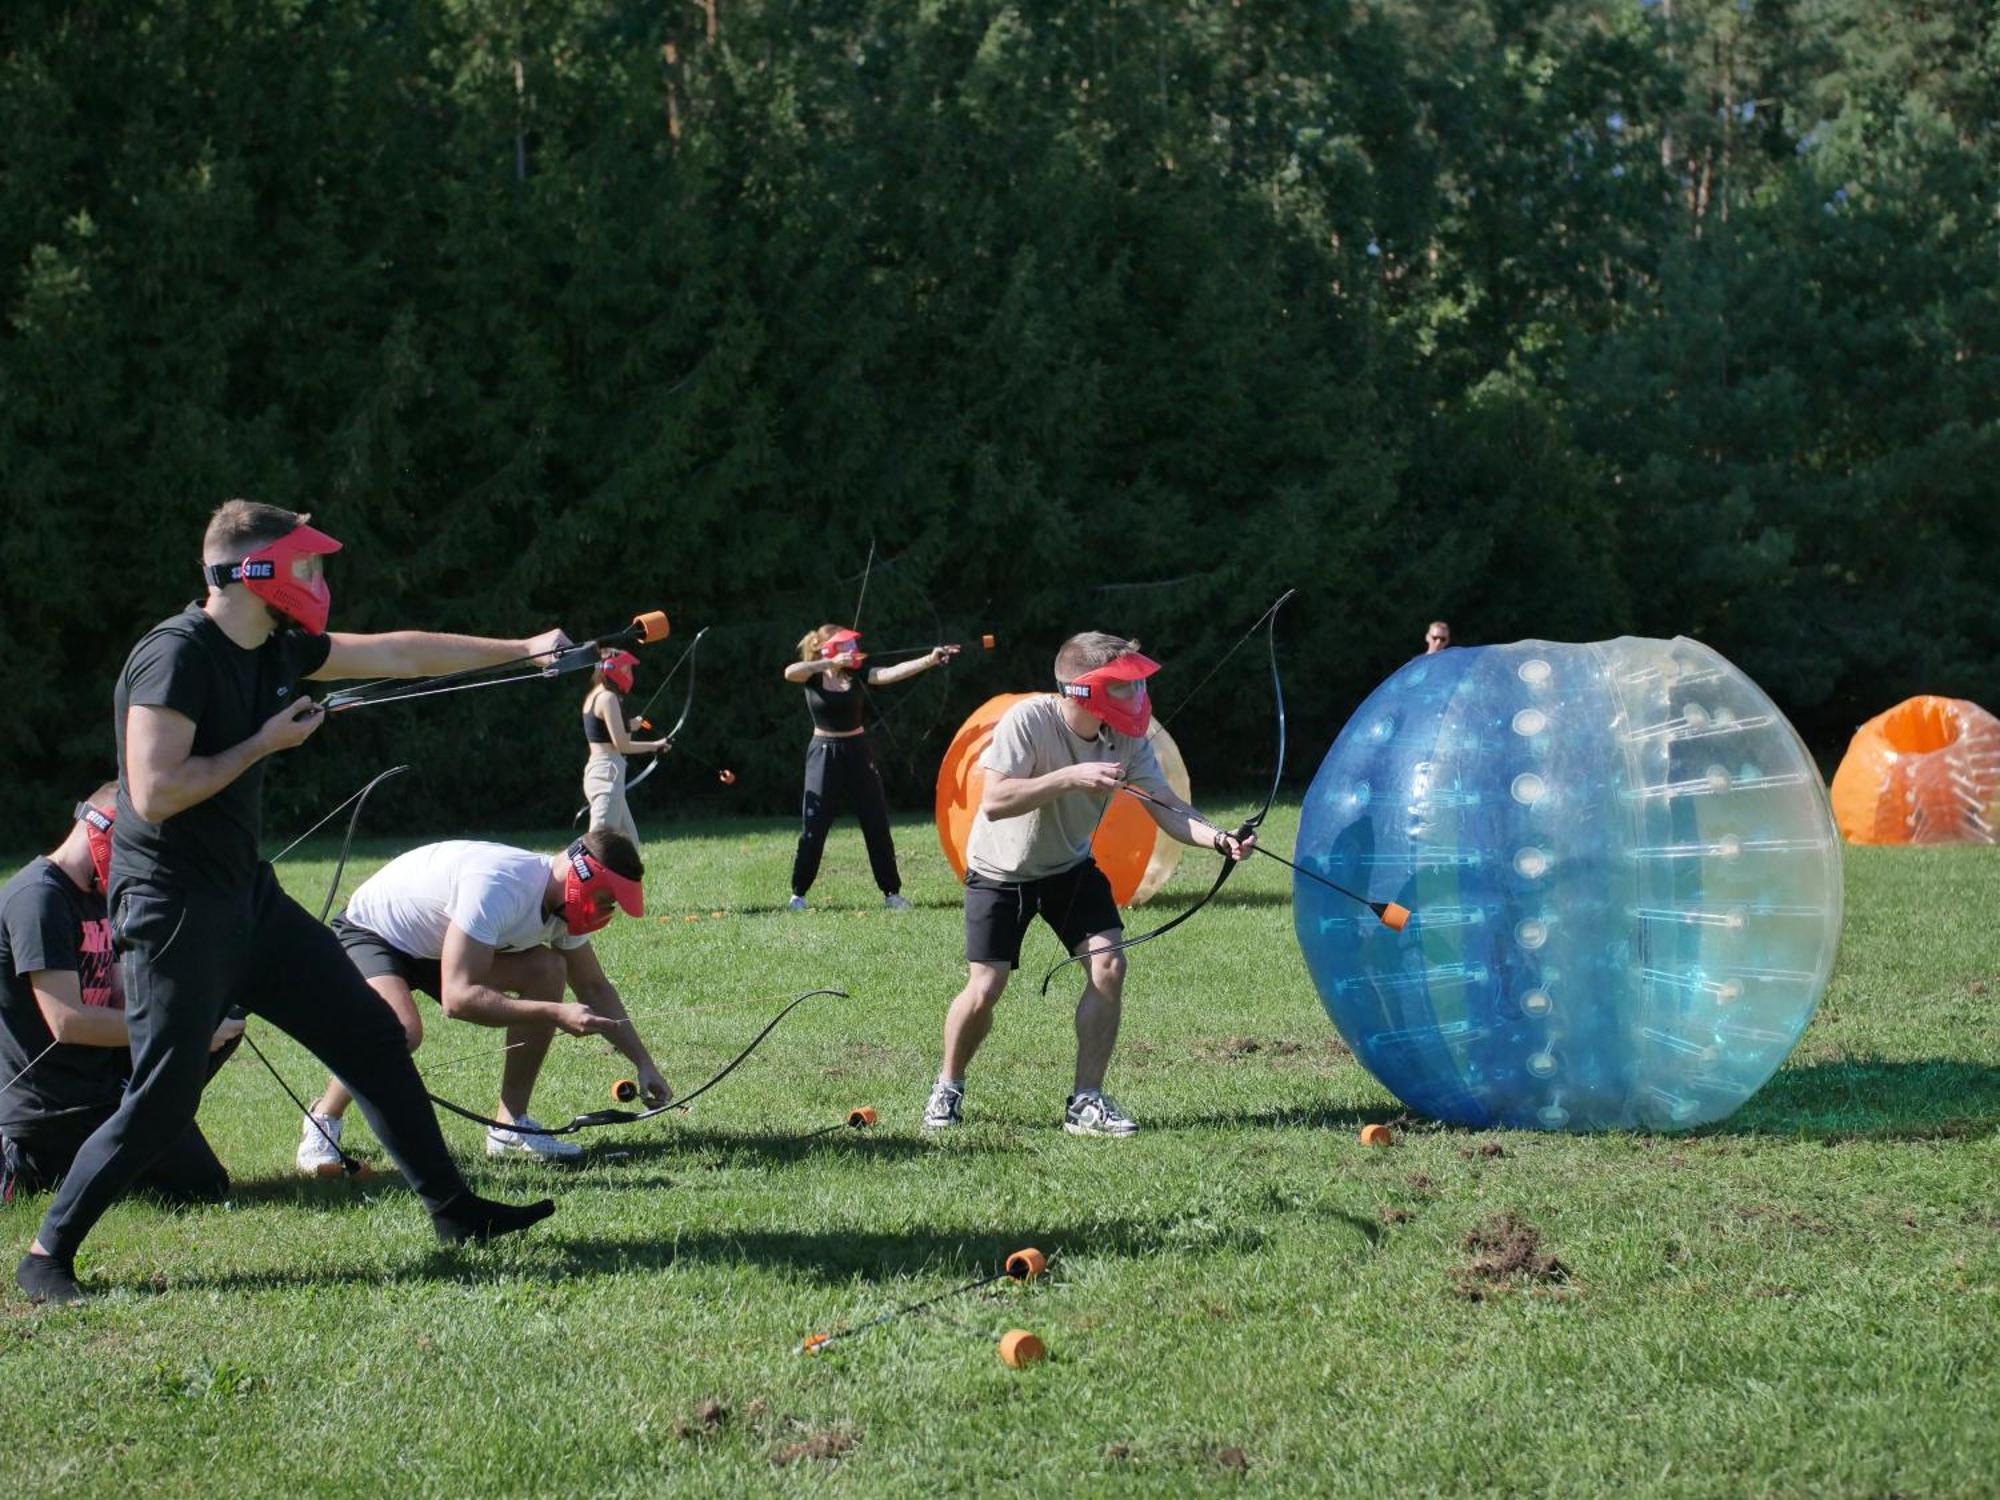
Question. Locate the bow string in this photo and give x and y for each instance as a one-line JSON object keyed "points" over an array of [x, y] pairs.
{"points": [[1268, 622]]}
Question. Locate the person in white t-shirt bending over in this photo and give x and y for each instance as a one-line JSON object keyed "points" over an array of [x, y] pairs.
{"points": [[1055, 762], [496, 935]]}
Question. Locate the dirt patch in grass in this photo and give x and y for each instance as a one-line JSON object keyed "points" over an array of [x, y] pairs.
{"points": [[1393, 1215], [1486, 1151], [1790, 1218], [1506, 1252], [1419, 1183], [1230, 1460], [820, 1447], [707, 1419], [1236, 1048]]}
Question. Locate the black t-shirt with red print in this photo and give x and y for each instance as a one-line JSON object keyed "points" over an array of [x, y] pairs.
{"points": [[47, 923]]}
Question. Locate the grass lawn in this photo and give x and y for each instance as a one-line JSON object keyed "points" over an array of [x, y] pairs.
{"points": [[1803, 1301]]}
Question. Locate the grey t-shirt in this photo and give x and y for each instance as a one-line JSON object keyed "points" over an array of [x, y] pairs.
{"points": [[1031, 739]]}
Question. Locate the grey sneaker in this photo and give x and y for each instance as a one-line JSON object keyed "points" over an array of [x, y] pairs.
{"points": [[1092, 1112], [946, 1108], [530, 1143], [797, 903], [897, 902]]}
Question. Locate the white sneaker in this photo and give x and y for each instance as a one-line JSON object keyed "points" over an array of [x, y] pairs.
{"points": [[519, 1143], [896, 902], [945, 1109], [1092, 1113], [797, 903], [318, 1155]]}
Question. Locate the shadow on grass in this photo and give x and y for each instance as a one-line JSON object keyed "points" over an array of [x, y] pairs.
{"points": [[941, 1254], [1228, 896], [846, 908], [321, 1193], [1870, 1099], [766, 1148], [691, 1149], [1866, 1099], [1297, 1117], [1159, 907]]}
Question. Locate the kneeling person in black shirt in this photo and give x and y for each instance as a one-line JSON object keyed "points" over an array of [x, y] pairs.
{"points": [[64, 1047]]}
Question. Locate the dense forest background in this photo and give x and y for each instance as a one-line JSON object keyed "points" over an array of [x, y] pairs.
{"points": [[1555, 318]]}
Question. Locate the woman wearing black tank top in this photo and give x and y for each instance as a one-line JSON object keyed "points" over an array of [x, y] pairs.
{"points": [[840, 769], [608, 740]]}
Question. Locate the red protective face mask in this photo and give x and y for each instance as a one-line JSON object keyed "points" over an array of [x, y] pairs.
{"points": [[1091, 692], [843, 646], [97, 826], [267, 573], [586, 877], [617, 669]]}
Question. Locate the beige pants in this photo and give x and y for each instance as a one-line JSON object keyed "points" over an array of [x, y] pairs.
{"points": [[604, 790]]}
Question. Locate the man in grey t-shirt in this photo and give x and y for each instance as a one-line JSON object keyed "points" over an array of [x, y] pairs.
{"points": [[1051, 771]]}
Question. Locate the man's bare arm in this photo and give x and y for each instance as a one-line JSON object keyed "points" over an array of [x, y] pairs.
{"points": [[165, 777]]}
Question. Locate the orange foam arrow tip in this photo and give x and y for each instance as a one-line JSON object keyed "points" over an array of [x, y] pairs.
{"points": [[652, 625], [986, 643], [726, 777], [624, 1091], [1395, 917], [812, 1343], [1376, 1135], [858, 1118], [1026, 1265], [1019, 1348], [339, 1169]]}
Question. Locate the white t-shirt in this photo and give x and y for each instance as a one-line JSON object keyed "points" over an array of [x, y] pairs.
{"points": [[491, 893], [1032, 739]]}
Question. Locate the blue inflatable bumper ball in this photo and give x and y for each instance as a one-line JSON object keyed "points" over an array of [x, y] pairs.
{"points": [[1624, 876]]}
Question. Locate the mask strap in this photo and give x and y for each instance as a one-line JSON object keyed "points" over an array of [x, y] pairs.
{"points": [[221, 575]]}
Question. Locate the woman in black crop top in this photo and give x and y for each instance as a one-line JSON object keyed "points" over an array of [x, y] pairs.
{"points": [[608, 740], [840, 769]]}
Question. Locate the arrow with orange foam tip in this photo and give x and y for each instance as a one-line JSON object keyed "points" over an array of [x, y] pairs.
{"points": [[1022, 1267]]}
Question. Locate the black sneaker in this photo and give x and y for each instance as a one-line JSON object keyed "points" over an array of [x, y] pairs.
{"points": [[1093, 1113]]}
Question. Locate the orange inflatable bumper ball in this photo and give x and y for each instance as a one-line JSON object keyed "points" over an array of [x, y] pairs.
{"points": [[1134, 855], [1925, 772]]}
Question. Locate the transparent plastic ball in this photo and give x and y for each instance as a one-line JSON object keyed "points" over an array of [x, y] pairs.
{"points": [[1624, 877]]}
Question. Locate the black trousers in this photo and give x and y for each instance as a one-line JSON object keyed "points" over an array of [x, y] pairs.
{"points": [[841, 774], [38, 1155], [186, 958]]}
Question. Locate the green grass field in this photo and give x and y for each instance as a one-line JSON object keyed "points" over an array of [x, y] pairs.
{"points": [[1804, 1301]]}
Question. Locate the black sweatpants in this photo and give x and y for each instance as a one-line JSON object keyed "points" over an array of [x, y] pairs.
{"points": [[38, 1155], [41, 1155], [186, 958], [841, 773]]}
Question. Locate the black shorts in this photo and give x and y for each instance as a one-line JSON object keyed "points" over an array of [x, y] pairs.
{"points": [[998, 913], [374, 956]]}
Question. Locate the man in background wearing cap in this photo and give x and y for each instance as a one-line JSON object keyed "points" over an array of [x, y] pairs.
{"points": [[1054, 764], [495, 935], [199, 920]]}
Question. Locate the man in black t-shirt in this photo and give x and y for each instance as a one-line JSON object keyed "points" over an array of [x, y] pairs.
{"points": [[64, 1047], [199, 920]]}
